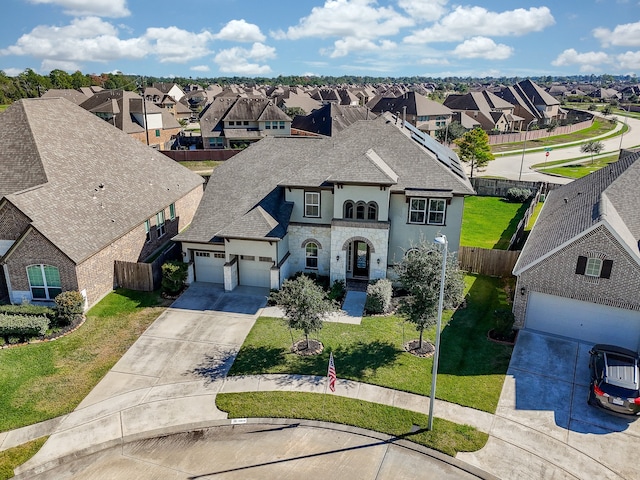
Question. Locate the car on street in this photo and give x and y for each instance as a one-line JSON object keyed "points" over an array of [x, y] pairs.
{"points": [[615, 379]]}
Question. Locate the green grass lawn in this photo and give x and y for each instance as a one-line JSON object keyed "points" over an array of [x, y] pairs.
{"points": [[206, 166], [447, 437], [3, 108], [16, 456], [471, 370], [45, 380], [490, 222], [582, 168]]}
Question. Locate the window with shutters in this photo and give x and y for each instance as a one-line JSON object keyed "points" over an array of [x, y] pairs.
{"points": [[594, 266]]}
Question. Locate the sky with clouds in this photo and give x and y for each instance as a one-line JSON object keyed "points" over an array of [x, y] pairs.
{"points": [[209, 38]]}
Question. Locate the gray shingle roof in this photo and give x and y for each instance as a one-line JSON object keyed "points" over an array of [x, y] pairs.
{"points": [[99, 183], [332, 118], [256, 175], [574, 208]]}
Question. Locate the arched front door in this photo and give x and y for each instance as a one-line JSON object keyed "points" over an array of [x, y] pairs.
{"points": [[360, 259]]}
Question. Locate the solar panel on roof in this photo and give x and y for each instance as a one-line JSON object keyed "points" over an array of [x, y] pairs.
{"points": [[445, 155]]}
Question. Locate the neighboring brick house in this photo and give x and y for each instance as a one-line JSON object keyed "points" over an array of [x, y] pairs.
{"points": [[579, 271], [532, 103], [77, 194], [347, 207], [490, 111], [237, 122], [424, 114]]}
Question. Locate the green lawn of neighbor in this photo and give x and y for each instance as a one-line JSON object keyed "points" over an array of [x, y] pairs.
{"points": [[580, 169], [471, 369], [16, 456], [490, 222], [45, 380]]}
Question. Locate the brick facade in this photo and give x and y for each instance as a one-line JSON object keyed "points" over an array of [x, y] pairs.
{"points": [[161, 141], [556, 276], [12, 222]]}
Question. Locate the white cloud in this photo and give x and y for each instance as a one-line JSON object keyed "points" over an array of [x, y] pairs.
{"points": [[237, 60], [627, 35], [173, 44], [200, 68], [424, 10], [241, 31], [99, 8], [48, 65], [348, 18], [346, 45], [84, 39], [465, 22], [630, 60], [433, 61], [588, 62], [13, 72], [483, 47]]}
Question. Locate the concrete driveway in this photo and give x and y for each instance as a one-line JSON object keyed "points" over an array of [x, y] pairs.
{"points": [[543, 417]]}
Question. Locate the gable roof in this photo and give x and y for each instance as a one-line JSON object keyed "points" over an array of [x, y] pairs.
{"points": [[331, 118], [87, 183], [415, 103], [609, 194], [373, 152]]}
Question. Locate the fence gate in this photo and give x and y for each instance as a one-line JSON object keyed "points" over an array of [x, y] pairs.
{"points": [[134, 276]]}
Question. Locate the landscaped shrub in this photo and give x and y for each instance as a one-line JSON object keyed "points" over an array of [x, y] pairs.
{"points": [[379, 297], [28, 309], [338, 290], [174, 275], [22, 327], [518, 195], [69, 307], [504, 320]]}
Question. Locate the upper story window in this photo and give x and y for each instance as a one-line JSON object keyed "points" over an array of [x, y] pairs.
{"points": [[160, 230], [312, 204], [360, 210], [430, 211], [372, 211], [44, 281], [594, 266], [147, 229], [274, 125], [348, 209], [172, 211]]}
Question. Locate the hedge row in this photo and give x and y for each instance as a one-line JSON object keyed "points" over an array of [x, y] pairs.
{"points": [[29, 310], [23, 326]]}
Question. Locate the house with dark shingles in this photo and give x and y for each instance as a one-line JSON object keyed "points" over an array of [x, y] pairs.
{"points": [[239, 121], [346, 207], [76, 195], [532, 103], [330, 119], [424, 114], [579, 271], [490, 111]]}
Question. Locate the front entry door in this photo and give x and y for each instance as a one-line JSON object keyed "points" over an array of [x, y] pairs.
{"points": [[361, 259]]}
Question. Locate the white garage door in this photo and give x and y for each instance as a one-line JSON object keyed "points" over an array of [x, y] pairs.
{"points": [[254, 271], [585, 321], [209, 266]]}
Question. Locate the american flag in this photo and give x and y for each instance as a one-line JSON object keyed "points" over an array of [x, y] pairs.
{"points": [[332, 374]]}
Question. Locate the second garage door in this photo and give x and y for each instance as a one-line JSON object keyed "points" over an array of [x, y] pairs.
{"points": [[255, 271], [209, 266], [589, 322]]}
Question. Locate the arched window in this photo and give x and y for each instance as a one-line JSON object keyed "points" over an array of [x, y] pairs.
{"points": [[372, 211], [360, 209], [311, 251], [348, 209], [44, 281]]}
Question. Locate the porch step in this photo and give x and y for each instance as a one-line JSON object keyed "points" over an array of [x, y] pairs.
{"points": [[357, 285]]}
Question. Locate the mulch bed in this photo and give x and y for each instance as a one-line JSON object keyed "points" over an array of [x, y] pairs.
{"points": [[300, 347], [425, 350], [503, 339]]}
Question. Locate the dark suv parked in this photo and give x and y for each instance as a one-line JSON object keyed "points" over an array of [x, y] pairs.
{"points": [[615, 379]]}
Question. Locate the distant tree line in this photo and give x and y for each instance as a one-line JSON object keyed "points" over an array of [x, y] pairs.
{"points": [[30, 84]]}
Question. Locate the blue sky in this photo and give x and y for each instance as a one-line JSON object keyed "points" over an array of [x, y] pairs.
{"points": [[209, 38]]}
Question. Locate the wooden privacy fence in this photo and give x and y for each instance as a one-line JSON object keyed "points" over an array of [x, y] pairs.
{"points": [[495, 263], [145, 277]]}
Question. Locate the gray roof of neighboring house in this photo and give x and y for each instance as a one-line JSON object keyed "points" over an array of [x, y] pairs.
{"points": [[483, 101], [254, 109], [332, 118], [608, 194], [82, 182], [71, 94], [416, 105], [371, 152]]}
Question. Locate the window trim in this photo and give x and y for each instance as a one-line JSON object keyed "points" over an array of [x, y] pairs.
{"points": [[45, 287], [308, 204], [172, 211], [313, 246], [160, 224], [436, 212], [425, 214], [593, 268], [422, 211]]}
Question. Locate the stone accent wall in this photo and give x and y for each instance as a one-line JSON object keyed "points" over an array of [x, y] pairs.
{"points": [[298, 237], [231, 274], [377, 238], [35, 249], [556, 276], [12, 222]]}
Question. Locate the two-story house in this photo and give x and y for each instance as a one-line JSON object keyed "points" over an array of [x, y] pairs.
{"points": [[490, 111], [237, 122], [347, 207], [532, 103]]}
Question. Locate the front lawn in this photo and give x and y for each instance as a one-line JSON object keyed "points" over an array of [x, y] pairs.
{"points": [[471, 369], [490, 222], [582, 168], [45, 380], [447, 437], [14, 457]]}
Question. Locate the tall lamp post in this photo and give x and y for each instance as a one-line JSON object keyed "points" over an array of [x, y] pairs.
{"points": [[524, 146], [442, 240]]}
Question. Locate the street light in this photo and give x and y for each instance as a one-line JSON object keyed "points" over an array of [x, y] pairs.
{"points": [[442, 240], [524, 146]]}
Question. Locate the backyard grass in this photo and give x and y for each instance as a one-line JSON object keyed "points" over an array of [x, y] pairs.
{"points": [[3, 107], [447, 437], [582, 168], [45, 380], [490, 222], [471, 369], [16, 456], [202, 166]]}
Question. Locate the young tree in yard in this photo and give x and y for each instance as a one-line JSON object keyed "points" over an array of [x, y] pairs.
{"points": [[420, 272], [473, 147], [593, 146], [305, 304]]}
